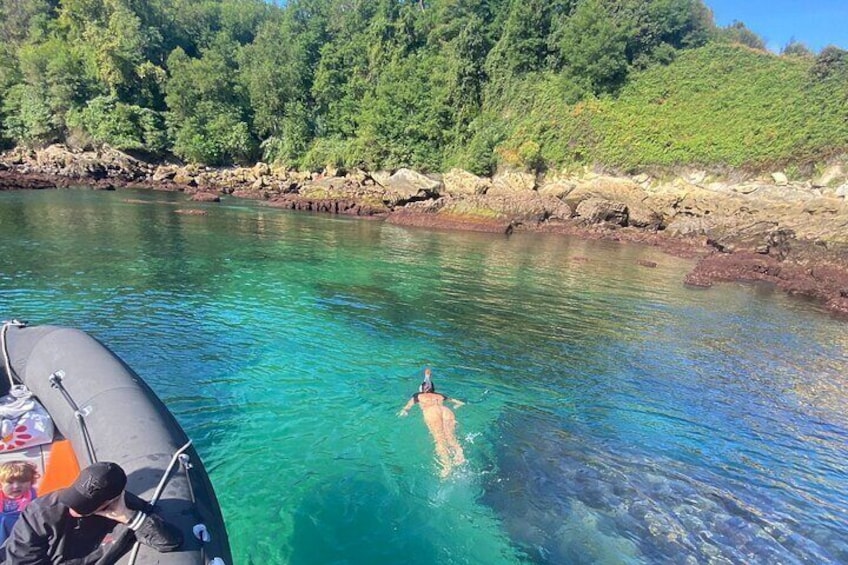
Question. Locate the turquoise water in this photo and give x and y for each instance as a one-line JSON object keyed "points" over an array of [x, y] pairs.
{"points": [[613, 416]]}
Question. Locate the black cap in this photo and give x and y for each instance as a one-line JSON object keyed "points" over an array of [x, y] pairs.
{"points": [[96, 485]]}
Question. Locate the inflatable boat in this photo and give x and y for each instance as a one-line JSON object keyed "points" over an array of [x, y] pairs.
{"points": [[101, 410]]}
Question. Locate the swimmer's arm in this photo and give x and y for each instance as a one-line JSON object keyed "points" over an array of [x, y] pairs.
{"points": [[405, 410], [456, 403]]}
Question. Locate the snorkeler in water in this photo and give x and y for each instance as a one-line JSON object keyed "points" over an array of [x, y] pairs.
{"points": [[441, 422]]}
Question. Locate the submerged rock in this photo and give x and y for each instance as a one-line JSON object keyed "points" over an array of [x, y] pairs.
{"points": [[563, 499]]}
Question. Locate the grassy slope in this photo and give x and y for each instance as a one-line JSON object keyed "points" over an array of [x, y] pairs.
{"points": [[718, 106]]}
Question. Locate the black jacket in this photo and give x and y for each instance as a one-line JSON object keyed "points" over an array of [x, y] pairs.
{"points": [[46, 533]]}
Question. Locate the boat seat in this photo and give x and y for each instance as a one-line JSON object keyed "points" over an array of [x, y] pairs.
{"points": [[56, 463]]}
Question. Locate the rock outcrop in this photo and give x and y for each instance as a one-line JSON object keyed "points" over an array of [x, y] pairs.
{"points": [[770, 228]]}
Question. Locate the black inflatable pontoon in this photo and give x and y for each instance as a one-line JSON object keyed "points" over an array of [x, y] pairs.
{"points": [[108, 413]]}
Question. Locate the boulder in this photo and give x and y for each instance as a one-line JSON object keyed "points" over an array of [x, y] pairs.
{"points": [[780, 179], [687, 226], [120, 164], [761, 237], [300, 176], [600, 210], [640, 216], [55, 157], [724, 188], [745, 188], [185, 176], [209, 179], [558, 188], [380, 177], [516, 208], [608, 188], [261, 169], [164, 172], [280, 171], [512, 182], [409, 184], [84, 167], [358, 176], [696, 177], [830, 175], [334, 171], [459, 182]]}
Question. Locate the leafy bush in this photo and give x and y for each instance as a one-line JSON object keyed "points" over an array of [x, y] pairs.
{"points": [[832, 61], [220, 140], [405, 117], [737, 32], [206, 114], [530, 155], [28, 119], [328, 152], [478, 155], [123, 126]]}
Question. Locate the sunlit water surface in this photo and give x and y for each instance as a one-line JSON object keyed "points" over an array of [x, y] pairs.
{"points": [[613, 416]]}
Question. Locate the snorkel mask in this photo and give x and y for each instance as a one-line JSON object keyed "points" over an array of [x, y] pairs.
{"points": [[427, 385]]}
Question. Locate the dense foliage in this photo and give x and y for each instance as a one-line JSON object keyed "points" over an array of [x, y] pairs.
{"points": [[424, 83]]}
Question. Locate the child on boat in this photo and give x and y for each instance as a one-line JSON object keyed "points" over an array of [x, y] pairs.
{"points": [[16, 492]]}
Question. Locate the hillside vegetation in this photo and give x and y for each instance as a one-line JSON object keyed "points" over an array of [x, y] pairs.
{"points": [[429, 84], [715, 106]]}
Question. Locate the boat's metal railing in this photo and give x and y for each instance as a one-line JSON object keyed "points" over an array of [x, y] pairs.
{"points": [[79, 415]]}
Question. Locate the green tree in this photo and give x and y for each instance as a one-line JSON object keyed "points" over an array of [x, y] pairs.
{"points": [[468, 76], [796, 49], [832, 62], [406, 115], [105, 119], [112, 42], [348, 64], [593, 47], [52, 82], [277, 70], [656, 28], [738, 32], [207, 108], [16, 19], [523, 44]]}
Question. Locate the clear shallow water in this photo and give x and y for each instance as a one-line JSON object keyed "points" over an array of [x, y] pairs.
{"points": [[613, 415]]}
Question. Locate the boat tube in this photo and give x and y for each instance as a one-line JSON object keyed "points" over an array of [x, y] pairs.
{"points": [[106, 412]]}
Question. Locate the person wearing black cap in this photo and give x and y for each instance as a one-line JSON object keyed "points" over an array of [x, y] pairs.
{"points": [[93, 521]]}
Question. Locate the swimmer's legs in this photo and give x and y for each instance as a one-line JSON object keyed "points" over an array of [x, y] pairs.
{"points": [[449, 423], [444, 459], [442, 453]]}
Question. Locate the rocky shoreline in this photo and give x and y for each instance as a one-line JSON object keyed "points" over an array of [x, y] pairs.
{"points": [[793, 234]]}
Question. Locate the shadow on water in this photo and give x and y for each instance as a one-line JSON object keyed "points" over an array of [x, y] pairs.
{"points": [[563, 500], [347, 520]]}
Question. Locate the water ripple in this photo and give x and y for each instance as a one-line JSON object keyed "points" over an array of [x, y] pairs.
{"points": [[612, 416]]}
